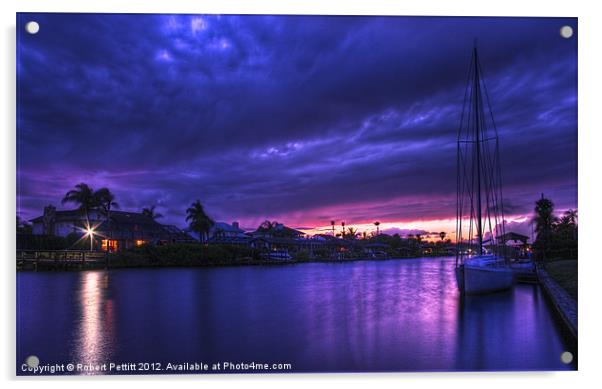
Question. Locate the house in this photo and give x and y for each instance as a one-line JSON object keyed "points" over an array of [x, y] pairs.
{"points": [[225, 230], [121, 230], [224, 233], [278, 230], [513, 239], [517, 245]]}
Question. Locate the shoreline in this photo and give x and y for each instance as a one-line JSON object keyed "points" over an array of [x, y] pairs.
{"points": [[51, 266], [564, 305]]}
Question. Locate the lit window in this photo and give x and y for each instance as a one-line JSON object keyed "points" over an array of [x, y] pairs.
{"points": [[109, 245]]}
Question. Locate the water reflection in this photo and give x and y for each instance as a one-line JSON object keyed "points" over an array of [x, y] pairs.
{"points": [[504, 330], [94, 340], [401, 315]]}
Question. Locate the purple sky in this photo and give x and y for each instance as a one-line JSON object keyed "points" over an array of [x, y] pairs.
{"points": [[295, 118]]}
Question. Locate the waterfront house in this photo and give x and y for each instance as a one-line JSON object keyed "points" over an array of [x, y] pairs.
{"points": [[278, 230], [121, 230], [62, 223], [221, 230]]}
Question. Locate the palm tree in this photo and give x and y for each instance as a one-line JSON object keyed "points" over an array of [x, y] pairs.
{"points": [[84, 197], [332, 223], [544, 223], [105, 200], [150, 212], [568, 223], [198, 220], [570, 217], [377, 224], [351, 233], [343, 225], [442, 235], [267, 227]]}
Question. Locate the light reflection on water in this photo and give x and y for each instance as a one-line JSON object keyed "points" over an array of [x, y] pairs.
{"points": [[400, 315], [94, 340]]}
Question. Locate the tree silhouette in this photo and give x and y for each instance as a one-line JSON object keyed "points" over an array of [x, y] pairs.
{"points": [[351, 233], [150, 212], [544, 220], [83, 196], [106, 201], [198, 220]]}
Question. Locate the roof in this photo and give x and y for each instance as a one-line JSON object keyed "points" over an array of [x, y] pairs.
{"points": [[123, 217], [131, 221], [178, 234], [61, 215], [116, 216], [513, 236], [278, 230], [225, 227]]}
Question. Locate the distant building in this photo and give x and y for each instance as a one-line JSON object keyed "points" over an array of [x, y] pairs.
{"points": [[513, 239], [279, 231], [121, 231], [224, 230], [517, 244], [224, 233]]}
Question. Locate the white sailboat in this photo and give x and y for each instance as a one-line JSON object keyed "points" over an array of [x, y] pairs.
{"points": [[480, 266]]}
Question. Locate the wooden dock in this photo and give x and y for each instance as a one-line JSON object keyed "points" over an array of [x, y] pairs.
{"points": [[60, 259]]}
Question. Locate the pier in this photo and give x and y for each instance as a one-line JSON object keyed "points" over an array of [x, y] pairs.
{"points": [[60, 259]]}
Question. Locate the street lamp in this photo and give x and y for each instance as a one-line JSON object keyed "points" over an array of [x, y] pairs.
{"points": [[90, 233]]}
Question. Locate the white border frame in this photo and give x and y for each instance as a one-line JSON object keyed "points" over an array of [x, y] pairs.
{"points": [[589, 183]]}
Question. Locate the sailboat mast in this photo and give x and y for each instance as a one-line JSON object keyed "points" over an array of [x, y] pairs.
{"points": [[477, 109]]}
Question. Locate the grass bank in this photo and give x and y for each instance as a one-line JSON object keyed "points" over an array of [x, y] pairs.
{"points": [[564, 272]]}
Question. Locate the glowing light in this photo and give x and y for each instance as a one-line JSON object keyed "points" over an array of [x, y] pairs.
{"points": [[197, 24], [109, 245], [163, 56]]}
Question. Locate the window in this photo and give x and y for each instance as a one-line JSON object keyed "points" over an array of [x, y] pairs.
{"points": [[109, 245]]}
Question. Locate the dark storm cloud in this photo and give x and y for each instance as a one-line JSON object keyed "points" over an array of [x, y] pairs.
{"points": [[301, 118]]}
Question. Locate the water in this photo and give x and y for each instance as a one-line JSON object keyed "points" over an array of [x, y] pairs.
{"points": [[397, 315]]}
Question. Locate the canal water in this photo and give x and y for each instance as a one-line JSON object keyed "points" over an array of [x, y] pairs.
{"points": [[394, 315]]}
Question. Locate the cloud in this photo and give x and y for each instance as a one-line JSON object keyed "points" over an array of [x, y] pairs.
{"points": [[296, 118]]}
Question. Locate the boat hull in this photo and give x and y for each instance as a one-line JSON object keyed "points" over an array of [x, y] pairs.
{"points": [[478, 279]]}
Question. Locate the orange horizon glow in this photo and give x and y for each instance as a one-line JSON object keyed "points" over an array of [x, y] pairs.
{"points": [[433, 227]]}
